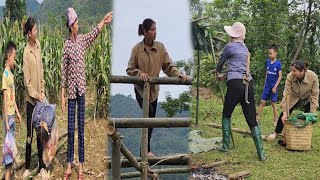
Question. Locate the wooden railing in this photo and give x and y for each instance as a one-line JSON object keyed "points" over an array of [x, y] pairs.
{"points": [[118, 146]]}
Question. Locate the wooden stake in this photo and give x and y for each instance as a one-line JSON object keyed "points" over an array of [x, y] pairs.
{"points": [[115, 136], [144, 138], [239, 175]]}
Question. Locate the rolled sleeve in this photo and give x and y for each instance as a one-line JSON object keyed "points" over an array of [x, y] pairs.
{"points": [[168, 67]]}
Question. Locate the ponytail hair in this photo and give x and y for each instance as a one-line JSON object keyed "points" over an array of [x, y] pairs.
{"points": [[29, 25], [145, 26]]}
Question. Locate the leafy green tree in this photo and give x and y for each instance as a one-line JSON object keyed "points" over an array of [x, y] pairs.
{"points": [[172, 106], [292, 25], [15, 9]]}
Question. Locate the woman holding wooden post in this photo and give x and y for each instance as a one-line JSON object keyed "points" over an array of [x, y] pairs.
{"points": [[239, 87], [301, 88], [147, 59]]}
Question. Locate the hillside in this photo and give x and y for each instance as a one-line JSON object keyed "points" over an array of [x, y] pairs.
{"points": [[31, 5], [89, 12], [1, 12]]}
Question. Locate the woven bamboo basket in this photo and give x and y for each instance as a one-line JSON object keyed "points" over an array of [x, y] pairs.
{"points": [[298, 138]]}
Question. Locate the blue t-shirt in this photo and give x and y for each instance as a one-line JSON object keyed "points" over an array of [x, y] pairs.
{"points": [[272, 72]]}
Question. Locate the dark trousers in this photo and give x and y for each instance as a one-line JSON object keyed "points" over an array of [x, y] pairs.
{"points": [[280, 125], [30, 128], [152, 113], [235, 95], [80, 100]]}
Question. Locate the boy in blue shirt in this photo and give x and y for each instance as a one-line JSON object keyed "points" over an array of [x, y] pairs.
{"points": [[273, 78]]}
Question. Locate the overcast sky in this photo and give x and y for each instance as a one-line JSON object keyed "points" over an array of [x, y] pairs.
{"points": [[173, 21]]}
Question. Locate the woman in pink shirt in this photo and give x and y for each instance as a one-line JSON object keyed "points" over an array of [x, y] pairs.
{"points": [[73, 80]]}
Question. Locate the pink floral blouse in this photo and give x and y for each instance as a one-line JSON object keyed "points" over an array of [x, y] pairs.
{"points": [[73, 75]]}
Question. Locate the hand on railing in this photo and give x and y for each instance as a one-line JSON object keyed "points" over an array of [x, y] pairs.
{"points": [[183, 77], [144, 76]]}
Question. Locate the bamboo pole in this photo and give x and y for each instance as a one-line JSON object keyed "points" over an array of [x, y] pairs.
{"points": [[239, 175], [115, 136], [152, 80], [115, 161], [242, 131], [149, 122], [180, 159], [144, 138], [237, 130], [214, 164], [199, 19], [215, 62], [198, 85], [158, 171]]}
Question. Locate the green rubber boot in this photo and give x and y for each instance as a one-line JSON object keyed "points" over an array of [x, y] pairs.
{"points": [[257, 139], [226, 132]]}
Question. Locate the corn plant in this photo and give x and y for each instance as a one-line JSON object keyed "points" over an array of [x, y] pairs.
{"points": [[52, 42]]}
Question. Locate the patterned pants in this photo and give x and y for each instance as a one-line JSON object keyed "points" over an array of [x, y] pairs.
{"points": [[80, 100]]}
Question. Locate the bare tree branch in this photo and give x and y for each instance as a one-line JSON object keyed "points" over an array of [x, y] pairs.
{"points": [[306, 30]]}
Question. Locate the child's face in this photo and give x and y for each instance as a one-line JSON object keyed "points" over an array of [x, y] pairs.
{"points": [[11, 58], [272, 54]]}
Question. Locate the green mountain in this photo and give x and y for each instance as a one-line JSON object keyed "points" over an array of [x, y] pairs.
{"points": [[1, 12], [165, 141], [53, 12], [127, 106], [32, 6], [89, 12]]}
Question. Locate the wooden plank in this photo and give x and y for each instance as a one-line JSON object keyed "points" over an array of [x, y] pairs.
{"points": [[239, 175], [152, 80], [149, 122]]}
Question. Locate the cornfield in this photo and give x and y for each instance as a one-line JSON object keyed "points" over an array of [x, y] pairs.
{"points": [[98, 58]]}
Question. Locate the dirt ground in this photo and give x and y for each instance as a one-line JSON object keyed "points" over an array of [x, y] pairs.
{"points": [[95, 147], [204, 93]]}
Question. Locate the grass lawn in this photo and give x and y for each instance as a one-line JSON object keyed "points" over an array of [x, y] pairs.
{"points": [[281, 163]]}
